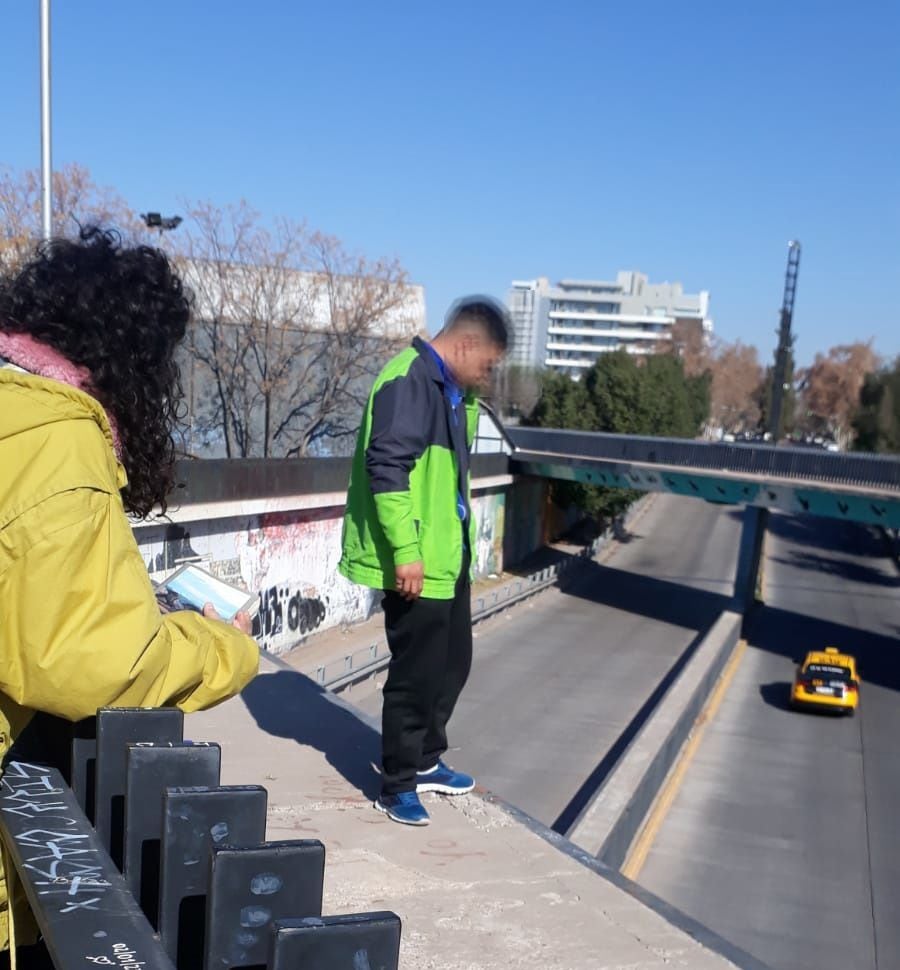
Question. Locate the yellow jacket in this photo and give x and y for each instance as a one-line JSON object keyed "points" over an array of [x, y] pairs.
{"points": [[79, 624]]}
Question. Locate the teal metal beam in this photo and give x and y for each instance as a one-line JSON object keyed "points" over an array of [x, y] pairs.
{"points": [[873, 506]]}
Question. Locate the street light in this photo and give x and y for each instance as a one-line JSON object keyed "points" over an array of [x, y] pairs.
{"points": [[783, 372], [153, 220], [46, 164]]}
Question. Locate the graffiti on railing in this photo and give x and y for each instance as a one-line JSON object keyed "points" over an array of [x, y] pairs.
{"points": [[58, 851]]}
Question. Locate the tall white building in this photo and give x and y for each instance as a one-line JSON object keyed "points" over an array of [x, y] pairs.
{"points": [[569, 325]]}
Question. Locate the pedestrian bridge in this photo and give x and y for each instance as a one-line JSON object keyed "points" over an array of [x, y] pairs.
{"points": [[853, 486]]}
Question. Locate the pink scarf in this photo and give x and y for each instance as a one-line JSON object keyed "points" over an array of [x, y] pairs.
{"points": [[37, 358]]}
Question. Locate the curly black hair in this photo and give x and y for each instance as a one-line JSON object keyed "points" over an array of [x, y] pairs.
{"points": [[120, 312]]}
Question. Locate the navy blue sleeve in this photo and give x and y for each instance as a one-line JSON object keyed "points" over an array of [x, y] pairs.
{"points": [[397, 438]]}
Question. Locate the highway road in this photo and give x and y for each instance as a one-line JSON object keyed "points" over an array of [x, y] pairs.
{"points": [[557, 680], [783, 838]]}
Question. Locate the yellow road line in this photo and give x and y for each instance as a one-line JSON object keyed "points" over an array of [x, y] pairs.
{"points": [[640, 848]]}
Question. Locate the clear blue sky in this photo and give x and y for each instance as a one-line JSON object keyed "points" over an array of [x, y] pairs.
{"points": [[482, 142]]}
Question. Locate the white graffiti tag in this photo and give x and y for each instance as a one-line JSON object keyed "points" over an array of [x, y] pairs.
{"points": [[63, 858]]}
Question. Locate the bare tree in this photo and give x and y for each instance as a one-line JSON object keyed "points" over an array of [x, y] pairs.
{"points": [[365, 313], [830, 388], [290, 330], [689, 342], [77, 201], [736, 378]]}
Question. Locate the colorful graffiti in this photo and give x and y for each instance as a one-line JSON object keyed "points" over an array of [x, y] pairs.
{"points": [[489, 512], [290, 559], [280, 548]]}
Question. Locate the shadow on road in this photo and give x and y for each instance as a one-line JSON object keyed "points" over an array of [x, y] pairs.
{"points": [[578, 802], [828, 534], [656, 599], [290, 705], [777, 695], [845, 569], [791, 635]]}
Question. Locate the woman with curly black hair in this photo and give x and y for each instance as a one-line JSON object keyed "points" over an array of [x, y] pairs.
{"points": [[118, 314], [88, 395]]}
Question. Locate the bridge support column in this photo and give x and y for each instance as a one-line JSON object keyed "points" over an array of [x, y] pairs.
{"points": [[749, 558]]}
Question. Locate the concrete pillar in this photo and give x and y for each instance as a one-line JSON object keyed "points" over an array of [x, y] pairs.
{"points": [[749, 557]]}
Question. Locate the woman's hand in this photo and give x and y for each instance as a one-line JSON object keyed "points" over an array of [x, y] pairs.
{"points": [[241, 620]]}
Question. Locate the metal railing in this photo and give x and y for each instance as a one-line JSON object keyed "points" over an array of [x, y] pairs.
{"points": [[146, 862], [765, 461], [364, 663]]}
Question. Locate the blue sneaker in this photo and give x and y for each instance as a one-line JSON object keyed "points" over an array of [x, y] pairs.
{"points": [[445, 780], [403, 807]]}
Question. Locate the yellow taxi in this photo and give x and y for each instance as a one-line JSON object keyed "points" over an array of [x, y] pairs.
{"points": [[827, 679]]}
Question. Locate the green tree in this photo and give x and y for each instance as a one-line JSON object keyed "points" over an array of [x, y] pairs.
{"points": [[877, 422], [699, 389], [668, 399], [564, 403], [622, 394], [646, 396], [618, 394]]}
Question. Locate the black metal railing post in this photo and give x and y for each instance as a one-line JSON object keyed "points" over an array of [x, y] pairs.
{"points": [[172, 850]]}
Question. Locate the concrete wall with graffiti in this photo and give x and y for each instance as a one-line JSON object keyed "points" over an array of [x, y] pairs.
{"points": [[489, 514], [289, 558]]}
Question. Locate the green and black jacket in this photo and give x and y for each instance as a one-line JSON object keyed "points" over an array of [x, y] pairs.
{"points": [[411, 466]]}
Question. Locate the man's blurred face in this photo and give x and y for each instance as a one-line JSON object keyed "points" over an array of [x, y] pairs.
{"points": [[475, 360]]}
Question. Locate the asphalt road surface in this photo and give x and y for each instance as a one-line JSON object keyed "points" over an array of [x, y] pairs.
{"points": [[557, 680], [785, 837]]}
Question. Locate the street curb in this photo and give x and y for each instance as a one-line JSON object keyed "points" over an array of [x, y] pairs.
{"points": [[611, 820]]}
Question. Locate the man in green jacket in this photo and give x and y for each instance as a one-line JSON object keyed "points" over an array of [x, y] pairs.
{"points": [[408, 530]]}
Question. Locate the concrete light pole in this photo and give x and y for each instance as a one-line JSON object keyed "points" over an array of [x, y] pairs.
{"points": [[46, 161], [782, 374], [756, 520]]}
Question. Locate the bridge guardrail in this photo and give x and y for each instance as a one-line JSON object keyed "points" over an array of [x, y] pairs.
{"points": [[176, 872], [847, 468]]}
